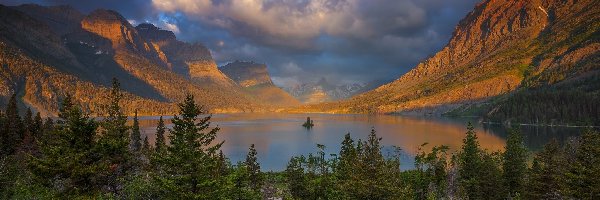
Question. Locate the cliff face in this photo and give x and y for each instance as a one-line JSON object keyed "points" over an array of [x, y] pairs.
{"points": [[247, 74], [255, 80], [498, 47], [111, 25], [177, 54], [189, 60]]}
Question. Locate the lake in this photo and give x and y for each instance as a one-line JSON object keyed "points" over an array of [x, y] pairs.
{"points": [[278, 137]]}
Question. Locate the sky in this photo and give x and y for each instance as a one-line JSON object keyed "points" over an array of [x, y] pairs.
{"points": [[344, 41]]}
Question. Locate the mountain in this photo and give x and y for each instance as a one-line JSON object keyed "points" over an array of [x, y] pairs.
{"points": [[190, 60], [255, 80], [323, 91], [499, 49], [65, 51]]}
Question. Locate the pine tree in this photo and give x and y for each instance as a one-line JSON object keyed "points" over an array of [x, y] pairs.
{"points": [[490, 177], [12, 134], [296, 179], [240, 184], [469, 162], [37, 126], [546, 173], [584, 174], [191, 157], [253, 169], [160, 136], [146, 149], [136, 137], [3, 134], [47, 127], [514, 163], [431, 168], [377, 177], [114, 141], [347, 160], [68, 161], [28, 142], [222, 165], [28, 120]]}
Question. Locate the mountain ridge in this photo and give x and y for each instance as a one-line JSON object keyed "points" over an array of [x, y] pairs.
{"points": [[255, 79]]}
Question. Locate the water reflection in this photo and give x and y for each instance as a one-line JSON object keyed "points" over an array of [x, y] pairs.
{"points": [[277, 137]]}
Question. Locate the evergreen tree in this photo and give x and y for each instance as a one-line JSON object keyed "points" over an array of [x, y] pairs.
{"points": [[47, 127], [546, 173], [253, 169], [3, 135], [68, 162], [28, 120], [114, 141], [37, 126], [345, 169], [222, 164], [136, 137], [584, 174], [12, 134], [160, 135], [372, 166], [514, 163], [469, 162], [432, 172], [146, 146], [192, 157], [490, 177], [240, 184], [296, 179], [28, 142]]}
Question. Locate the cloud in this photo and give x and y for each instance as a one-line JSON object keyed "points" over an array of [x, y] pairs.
{"points": [[169, 26], [297, 23]]}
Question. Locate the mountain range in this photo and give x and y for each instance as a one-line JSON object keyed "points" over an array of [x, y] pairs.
{"points": [[324, 91], [66, 51]]}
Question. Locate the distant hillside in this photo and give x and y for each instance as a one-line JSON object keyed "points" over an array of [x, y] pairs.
{"points": [[323, 91], [500, 49], [82, 53], [256, 81]]}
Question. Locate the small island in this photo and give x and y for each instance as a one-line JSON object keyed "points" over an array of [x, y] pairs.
{"points": [[308, 124]]}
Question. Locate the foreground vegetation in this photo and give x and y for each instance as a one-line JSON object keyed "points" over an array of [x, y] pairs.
{"points": [[77, 157]]}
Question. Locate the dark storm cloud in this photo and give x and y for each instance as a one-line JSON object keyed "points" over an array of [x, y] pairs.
{"points": [[303, 40], [132, 9]]}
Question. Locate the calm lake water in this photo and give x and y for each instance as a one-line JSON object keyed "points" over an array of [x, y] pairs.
{"points": [[278, 137]]}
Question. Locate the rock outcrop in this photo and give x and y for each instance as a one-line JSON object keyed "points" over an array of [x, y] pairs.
{"points": [[177, 54], [247, 74], [255, 79]]}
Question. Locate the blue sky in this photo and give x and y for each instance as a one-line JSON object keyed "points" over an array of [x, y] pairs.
{"points": [[302, 40]]}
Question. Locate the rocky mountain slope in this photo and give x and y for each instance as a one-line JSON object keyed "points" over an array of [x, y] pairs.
{"points": [[323, 91], [82, 53], [255, 80], [498, 48]]}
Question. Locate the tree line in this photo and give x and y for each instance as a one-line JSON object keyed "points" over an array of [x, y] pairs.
{"points": [[78, 157], [549, 106]]}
